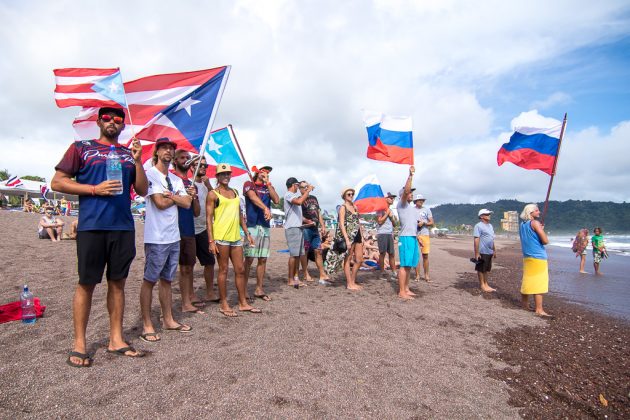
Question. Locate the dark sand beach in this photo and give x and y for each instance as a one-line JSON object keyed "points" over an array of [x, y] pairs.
{"points": [[316, 352]]}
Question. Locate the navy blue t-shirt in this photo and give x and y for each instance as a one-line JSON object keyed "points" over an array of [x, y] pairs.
{"points": [[256, 215], [86, 160], [186, 217]]}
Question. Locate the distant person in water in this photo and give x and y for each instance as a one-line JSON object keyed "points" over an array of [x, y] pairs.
{"points": [[599, 250], [535, 269], [579, 247]]}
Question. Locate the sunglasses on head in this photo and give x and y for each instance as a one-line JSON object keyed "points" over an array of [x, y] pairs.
{"points": [[108, 118]]}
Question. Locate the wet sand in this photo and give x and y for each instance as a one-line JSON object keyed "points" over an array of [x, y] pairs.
{"points": [[314, 352]]}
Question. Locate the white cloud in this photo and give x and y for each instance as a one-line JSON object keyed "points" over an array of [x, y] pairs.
{"points": [[556, 98]]}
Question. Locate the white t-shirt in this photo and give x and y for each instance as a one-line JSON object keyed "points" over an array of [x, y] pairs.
{"points": [[200, 221], [160, 226]]}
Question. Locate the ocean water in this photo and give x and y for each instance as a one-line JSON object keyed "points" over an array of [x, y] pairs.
{"points": [[608, 293], [615, 244]]}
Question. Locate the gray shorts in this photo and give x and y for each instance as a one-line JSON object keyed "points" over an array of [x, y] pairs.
{"points": [[160, 261], [385, 243], [295, 241]]}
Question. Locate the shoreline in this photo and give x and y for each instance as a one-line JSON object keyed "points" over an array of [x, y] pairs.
{"points": [[315, 352]]}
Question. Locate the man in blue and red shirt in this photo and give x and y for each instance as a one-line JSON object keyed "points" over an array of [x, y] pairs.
{"points": [[105, 233]]}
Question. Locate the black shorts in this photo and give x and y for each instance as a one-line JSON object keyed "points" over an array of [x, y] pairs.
{"points": [[485, 263], [203, 249], [97, 249], [357, 238]]}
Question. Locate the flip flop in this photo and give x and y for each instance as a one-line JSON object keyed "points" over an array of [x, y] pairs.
{"points": [[121, 352], [217, 300], [82, 356], [229, 313], [182, 328], [263, 297], [198, 303], [251, 310], [144, 338], [196, 312]]}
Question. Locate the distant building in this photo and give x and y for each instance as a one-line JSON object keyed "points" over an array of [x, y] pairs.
{"points": [[509, 223]]}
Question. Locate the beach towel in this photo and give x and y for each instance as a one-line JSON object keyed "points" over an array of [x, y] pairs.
{"points": [[13, 311], [535, 276]]}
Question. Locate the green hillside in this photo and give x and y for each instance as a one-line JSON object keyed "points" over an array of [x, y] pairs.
{"points": [[562, 216]]}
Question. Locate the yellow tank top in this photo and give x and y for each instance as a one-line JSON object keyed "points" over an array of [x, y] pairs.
{"points": [[227, 218]]}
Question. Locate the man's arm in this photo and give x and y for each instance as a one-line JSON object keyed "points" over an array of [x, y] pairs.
{"points": [[253, 197], [476, 246], [407, 188], [381, 219], [300, 200], [62, 182], [141, 183]]}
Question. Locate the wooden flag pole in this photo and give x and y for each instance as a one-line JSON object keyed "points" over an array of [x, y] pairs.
{"points": [[553, 170]]}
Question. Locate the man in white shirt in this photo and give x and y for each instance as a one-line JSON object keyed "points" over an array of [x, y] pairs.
{"points": [[161, 239]]}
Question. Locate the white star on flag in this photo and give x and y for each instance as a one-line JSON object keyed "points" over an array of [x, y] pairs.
{"points": [[113, 87], [186, 104], [212, 146]]}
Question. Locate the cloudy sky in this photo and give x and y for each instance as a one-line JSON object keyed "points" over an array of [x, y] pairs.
{"points": [[467, 72]]}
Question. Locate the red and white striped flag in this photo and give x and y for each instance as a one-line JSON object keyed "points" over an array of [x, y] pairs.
{"points": [[89, 88]]}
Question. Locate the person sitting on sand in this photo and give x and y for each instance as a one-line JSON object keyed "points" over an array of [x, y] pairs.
{"points": [[599, 249], [484, 248], [29, 206], [535, 269], [50, 227], [408, 248], [223, 214], [579, 247]]}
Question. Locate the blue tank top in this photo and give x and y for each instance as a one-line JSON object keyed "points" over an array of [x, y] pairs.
{"points": [[530, 242]]}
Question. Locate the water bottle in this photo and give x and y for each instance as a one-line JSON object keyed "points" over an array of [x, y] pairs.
{"points": [[28, 306], [114, 168]]}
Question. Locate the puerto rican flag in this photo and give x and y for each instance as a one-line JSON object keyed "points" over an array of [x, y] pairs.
{"points": [[89, 88], [390, 138], [221, 148], [180, 106], [369, 195], [14, 182]]}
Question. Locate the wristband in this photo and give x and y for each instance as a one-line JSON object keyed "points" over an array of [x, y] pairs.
{"points": [[210, 241], [93, 189]]}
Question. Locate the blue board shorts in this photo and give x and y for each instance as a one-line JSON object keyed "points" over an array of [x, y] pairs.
{"points": [[160, 261], [408, 251]]}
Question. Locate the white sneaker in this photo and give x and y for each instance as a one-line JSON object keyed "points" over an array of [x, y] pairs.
{"points": [[324, 282]]}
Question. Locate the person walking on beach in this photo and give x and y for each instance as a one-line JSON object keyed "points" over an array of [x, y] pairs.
{"points": [[599, 249], [223, 214], [485, 251], [349, 231], [425, 219], [385, 237], [293, 200], [162, 239], [314, 230], [259, 194], [535, 269], [579, 247], [105, 233], [408, 249], [187, 243], [205, 257]]}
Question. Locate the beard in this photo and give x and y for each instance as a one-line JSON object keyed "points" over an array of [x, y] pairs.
{"points": [[110, 132]]}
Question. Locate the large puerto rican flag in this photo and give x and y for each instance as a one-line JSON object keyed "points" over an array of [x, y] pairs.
{"points": [[390, 138], [179, 106], [369, 195], [532, 148]]}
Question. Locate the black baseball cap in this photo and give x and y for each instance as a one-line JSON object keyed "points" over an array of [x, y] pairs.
{"points": [[164, 140], [291, 181], [109, 110]]}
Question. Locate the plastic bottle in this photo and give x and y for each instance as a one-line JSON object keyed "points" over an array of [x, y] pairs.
{"points": [[114, 167], [28, 306]]}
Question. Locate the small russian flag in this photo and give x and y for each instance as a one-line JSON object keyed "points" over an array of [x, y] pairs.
{"points": [[369, 195]]}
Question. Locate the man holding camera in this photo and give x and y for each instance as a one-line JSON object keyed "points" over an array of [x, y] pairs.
{"points": [[484, 249], [314, 230]]}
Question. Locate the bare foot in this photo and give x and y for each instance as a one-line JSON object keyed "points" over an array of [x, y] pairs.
{"points": [[405, 296], [584, 272], [409, 292], [488, 289], [543, 314], [211, 298], [427, 279], [229, 312], [354, 287]]}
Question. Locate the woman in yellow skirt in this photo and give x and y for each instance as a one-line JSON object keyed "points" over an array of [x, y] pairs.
{"points": [[535, 270]]}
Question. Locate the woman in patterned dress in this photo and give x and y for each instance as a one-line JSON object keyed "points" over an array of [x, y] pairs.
{"points": [[349, 229]]}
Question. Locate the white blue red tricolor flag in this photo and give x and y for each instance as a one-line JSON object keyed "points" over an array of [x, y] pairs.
{"points": [[369, 195], [44, 190], [89, 88], [532, 148], [179, 106], [221, 148], [390, 138], [14, 182]]}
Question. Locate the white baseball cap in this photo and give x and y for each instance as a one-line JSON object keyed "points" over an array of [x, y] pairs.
{"points": [[484, 211], [417, 197]]}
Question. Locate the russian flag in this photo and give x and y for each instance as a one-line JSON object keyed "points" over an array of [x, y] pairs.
{"points": [[369, 195], [532, 148], [390, 138]]}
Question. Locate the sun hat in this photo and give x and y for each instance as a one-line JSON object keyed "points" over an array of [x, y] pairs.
{"points": [[345, 190], [418, 197], [484, 211]]}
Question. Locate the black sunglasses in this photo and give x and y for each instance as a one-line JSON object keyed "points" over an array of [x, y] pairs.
{"points": [[169, 184]]}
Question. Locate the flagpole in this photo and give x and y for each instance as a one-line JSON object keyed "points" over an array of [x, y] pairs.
{"points": [[240, 152], [553, 170], [212, 116]]}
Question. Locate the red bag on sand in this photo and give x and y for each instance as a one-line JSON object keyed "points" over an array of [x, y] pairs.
{"points": [[13, 311]]}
